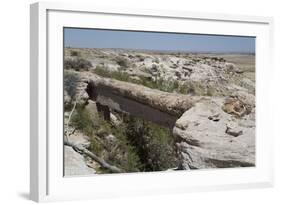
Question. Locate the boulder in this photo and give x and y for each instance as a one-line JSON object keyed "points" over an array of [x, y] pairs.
{"points": [[205, 137]]}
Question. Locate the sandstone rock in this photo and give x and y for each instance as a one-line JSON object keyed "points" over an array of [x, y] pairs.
{"points": [[203, 143], [248, 84], [74, 163], [232, 131]]}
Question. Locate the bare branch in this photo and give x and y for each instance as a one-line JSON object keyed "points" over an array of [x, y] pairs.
{"points": [[99, 160]]}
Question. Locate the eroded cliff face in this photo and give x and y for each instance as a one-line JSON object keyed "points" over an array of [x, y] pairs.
{"points": [[206, 101]]}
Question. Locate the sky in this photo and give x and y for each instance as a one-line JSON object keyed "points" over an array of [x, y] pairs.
{"points": [[95, 38]]}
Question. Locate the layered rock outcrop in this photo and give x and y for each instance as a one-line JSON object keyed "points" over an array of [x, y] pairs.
{"points": [[208, 137]]}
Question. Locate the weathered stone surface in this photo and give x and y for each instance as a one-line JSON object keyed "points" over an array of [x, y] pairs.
{"points": [[203, 142], [74, 163]]}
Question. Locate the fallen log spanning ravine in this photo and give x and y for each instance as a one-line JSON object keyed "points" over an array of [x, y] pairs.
{"points": [[137, 100]]}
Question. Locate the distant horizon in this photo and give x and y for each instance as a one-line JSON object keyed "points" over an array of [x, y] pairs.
{"points": [[157, 41], [165, 51]]}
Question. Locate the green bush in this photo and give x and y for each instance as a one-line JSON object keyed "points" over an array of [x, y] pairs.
{"points": [[160, 84], [156, 60], [123, 62], [195, 88], [78, 64], [153, 144], [91, 126], [189, 87], [95, 146], [140, 57], [74, 53], [83, 120], [118, 75]]}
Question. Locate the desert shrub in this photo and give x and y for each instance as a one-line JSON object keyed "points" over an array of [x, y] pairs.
{"points": [[133, 163], [184, 89], [140, 145], [211, 91], [118, 75], [140, 57], [160, 83], [168, 85], [96, 128], [147, 82], [153, 144], [83, 120], [95, 146], [78, 64], [70, 83], [202, 89], [74, 53], [194, 88], [123, 62], [156, 60], [124, 155], [102, 71]]}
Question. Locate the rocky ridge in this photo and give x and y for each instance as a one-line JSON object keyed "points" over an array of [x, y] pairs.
{"points": [[216, 130]]}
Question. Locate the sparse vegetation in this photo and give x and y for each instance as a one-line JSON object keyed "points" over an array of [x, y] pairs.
{"points": [[139, 146], [160, 83], [74, 53], [123, 62], [191, 87], [153, 144], [83, 120], [118, 75], [78, 64], [140, 57], [156, 60]]}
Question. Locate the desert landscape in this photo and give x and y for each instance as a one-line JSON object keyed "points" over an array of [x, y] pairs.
{"points": [[129, 110]]}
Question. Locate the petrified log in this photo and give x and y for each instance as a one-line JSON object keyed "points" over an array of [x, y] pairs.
{"points": [[151, 104]]}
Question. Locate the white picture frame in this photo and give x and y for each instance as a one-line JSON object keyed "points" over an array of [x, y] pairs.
{"points": [[46, 139]]}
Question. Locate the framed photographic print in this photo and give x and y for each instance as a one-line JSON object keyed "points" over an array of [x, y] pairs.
{"points": [[127, 102]]}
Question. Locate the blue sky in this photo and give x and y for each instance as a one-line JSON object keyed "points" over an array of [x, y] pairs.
{"points": [[94, 38]]}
